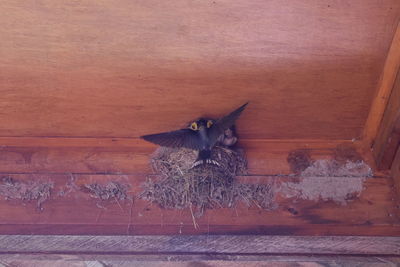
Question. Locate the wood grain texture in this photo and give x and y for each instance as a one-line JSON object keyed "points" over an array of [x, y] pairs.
{"points": [[127, 68], [386, 85], [101, 160], [391, 147], [174, 260], [185, 260], [395, 172], [388, 138], [217, 244], [75, 211], [130, 156]]}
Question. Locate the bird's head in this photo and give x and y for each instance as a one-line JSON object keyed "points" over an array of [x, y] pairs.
{"points": [[201, 124]]}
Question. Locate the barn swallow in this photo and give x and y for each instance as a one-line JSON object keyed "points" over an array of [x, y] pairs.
{"points": [[201, 135]]}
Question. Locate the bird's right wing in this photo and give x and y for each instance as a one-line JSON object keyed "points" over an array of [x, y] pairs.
{"points": [[180, 138]]}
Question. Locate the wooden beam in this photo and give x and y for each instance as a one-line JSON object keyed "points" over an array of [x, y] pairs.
{"points": [[206, 244], [395, 171], [387, 140], [308, 210], [132, 155], [384, 90], [128, 69], [71, 210], [386, 155], [199, 260]]}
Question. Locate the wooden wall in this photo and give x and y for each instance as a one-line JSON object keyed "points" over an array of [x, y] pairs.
{"points": [[105, 72], [99, 68]]}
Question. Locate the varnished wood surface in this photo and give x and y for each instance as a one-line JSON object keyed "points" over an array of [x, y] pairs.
{"points": [[174, 260], [107, 72], [77, 212], [214, 245], [130, 156], [126, 68], [395, 172], [101, 160], [387, 84], [388, 139]]}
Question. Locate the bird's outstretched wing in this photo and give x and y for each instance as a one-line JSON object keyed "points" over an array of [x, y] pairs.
{"points": [[180, 138], [224, 123]]}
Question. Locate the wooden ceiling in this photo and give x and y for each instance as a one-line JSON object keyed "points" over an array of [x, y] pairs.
{"points": [[124, 68]]}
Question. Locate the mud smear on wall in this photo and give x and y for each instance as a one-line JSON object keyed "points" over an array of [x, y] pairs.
{"points": [[344, 176], [334, 168], [299, 160], [341, 190]]}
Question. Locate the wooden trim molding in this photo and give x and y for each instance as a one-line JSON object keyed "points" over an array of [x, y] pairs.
{"points": [[388, 139], [204, 244], [194, 260], [385, 87], [395, 172]]}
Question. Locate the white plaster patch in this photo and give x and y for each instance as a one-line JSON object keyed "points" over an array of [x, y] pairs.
{"points": [[329, 168], [338, 189]]}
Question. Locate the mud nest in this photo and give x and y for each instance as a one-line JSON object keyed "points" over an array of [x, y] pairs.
{"points": [[112, 191], [178, 186], [27, 191], [346, 162]]}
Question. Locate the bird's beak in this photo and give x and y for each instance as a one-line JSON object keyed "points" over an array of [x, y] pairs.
{"points": [[202, 128]]}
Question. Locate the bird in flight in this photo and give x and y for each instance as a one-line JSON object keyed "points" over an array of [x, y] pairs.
{"points": [[202, 135]]}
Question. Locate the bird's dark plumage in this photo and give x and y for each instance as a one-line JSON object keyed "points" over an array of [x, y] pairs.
{"points": [[201, 135], [180, 138], [224, 123]]}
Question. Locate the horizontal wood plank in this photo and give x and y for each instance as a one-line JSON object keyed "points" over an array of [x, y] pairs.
{"points": [[128, 68], [76, 211], [130, 156], [72, 163], [188, 260], [214, 245]]}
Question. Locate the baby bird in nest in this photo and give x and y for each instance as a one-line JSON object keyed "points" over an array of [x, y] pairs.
{"points": [[202, 135], [228, 138]]}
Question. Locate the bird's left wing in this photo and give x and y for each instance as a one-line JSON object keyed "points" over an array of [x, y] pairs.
{"points": [[180, 138]]}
